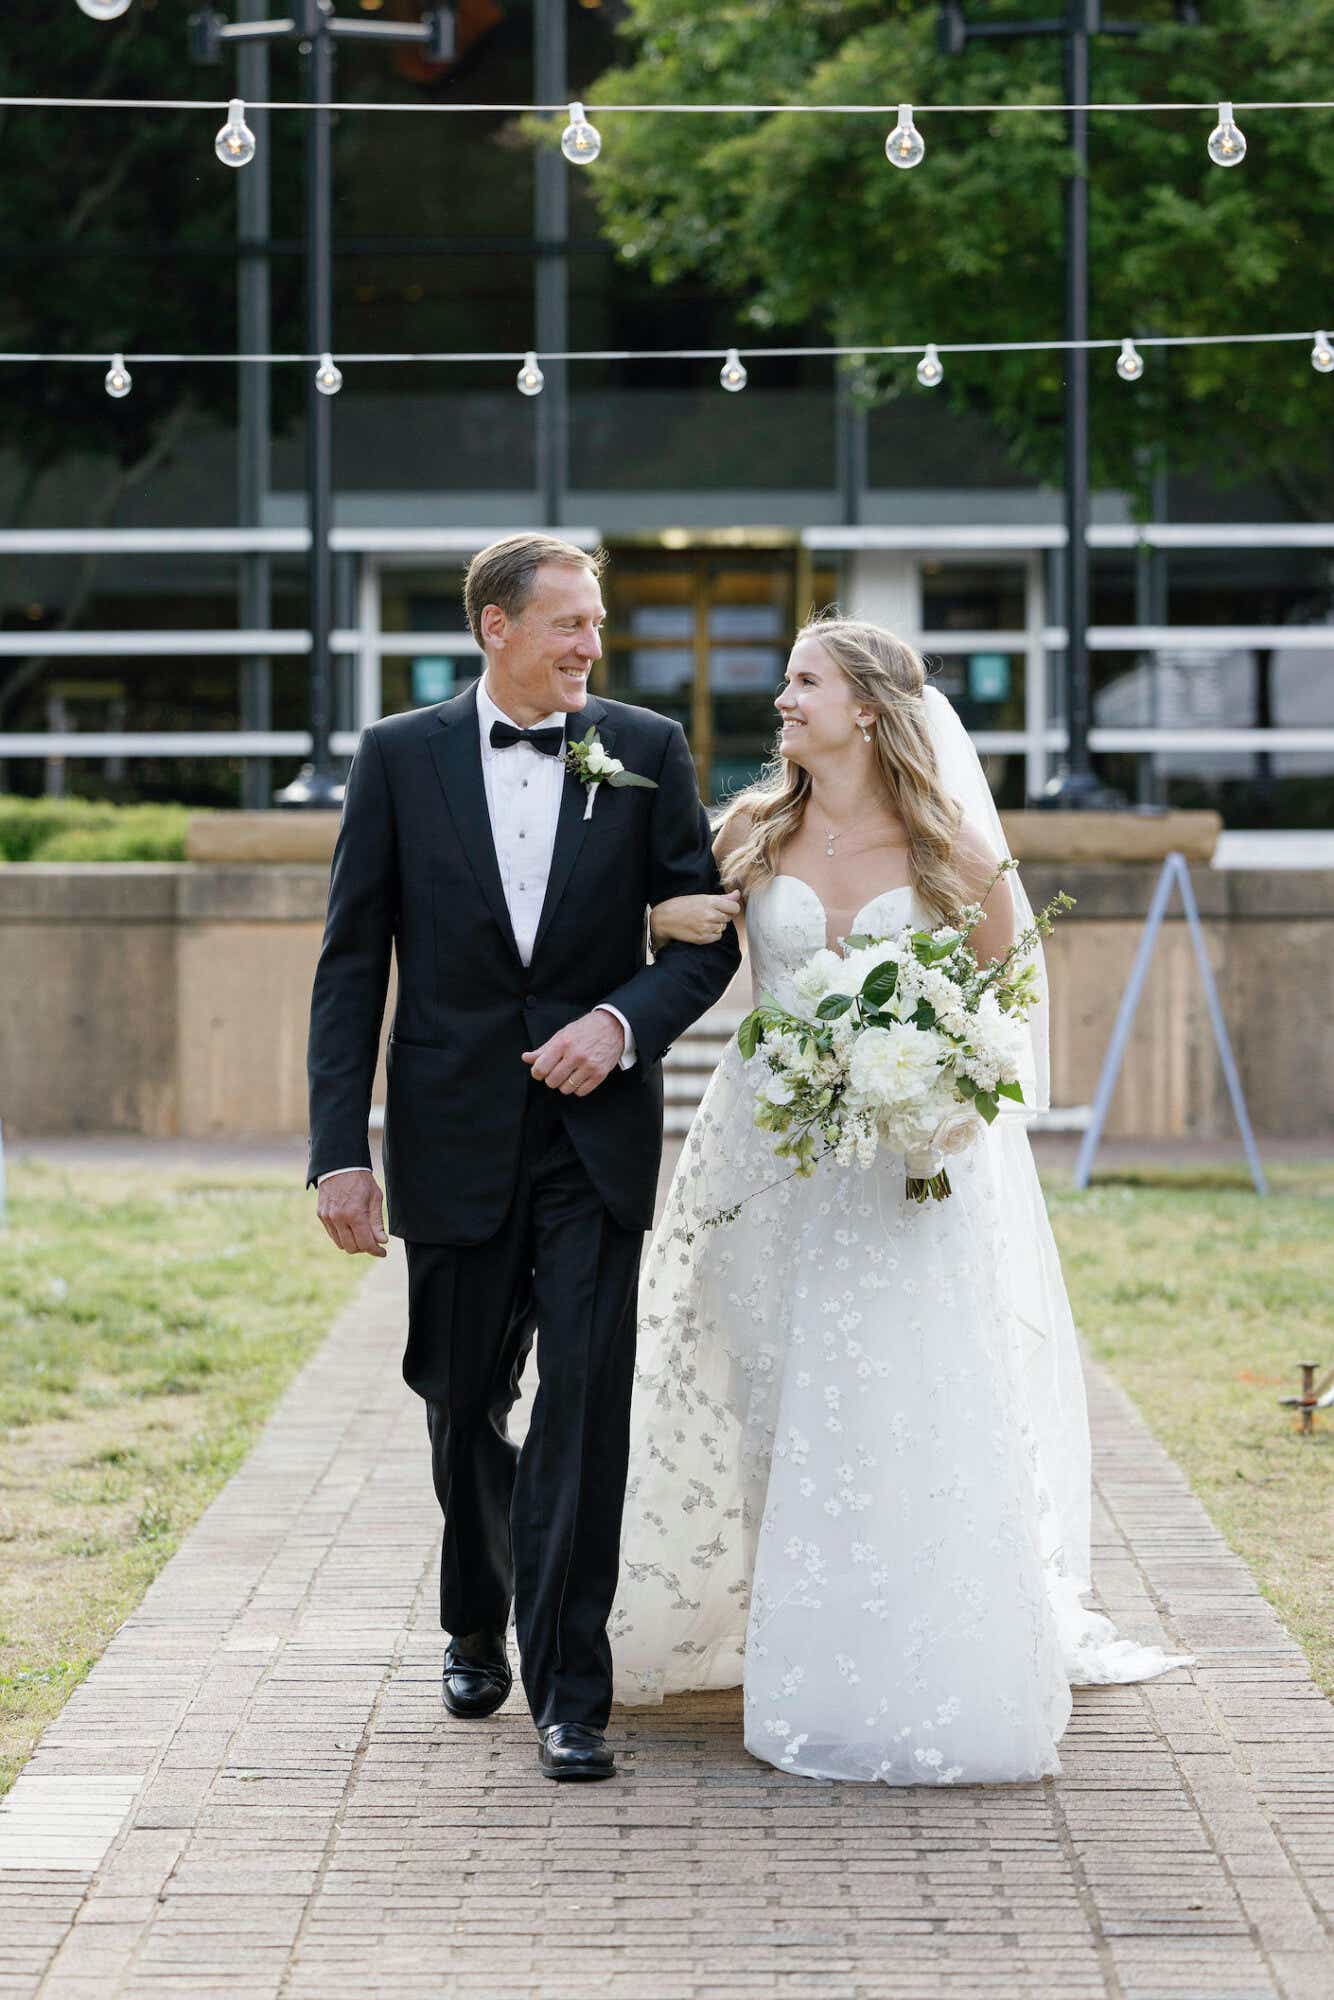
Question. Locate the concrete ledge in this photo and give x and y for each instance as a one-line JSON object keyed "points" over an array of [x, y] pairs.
{"points": [[133, 892], [249, 837], [1077, 838], [290, 893]]}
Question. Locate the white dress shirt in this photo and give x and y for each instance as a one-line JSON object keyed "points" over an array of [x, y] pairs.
{"points": [[523, 795]]}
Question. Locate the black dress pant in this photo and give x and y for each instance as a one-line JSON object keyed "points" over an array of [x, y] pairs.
{"points": [[536, 1526]]}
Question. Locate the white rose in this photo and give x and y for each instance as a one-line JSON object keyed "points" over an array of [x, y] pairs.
{"points": [[611, 765], [597, 761], [817, 976], [957, 1131]]}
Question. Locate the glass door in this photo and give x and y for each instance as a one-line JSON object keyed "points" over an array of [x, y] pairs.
{"points": [[703, 635]]}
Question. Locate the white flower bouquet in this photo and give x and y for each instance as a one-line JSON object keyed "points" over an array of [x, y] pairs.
{"points": [[904, 1042]]}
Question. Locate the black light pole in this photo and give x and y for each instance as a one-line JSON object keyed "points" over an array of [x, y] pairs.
{"points": [[1077, 787], [315, 29]]}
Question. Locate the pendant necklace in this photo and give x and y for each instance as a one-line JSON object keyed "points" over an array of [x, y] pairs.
{"points": [[830, 838]]}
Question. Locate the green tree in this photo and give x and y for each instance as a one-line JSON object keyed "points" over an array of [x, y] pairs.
{"points": [[806, 224]]}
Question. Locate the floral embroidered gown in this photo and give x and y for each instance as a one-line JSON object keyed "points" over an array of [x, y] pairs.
{"points": [[859, 1447]]}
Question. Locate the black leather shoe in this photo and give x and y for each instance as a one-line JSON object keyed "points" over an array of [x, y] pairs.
{"points": [[573, 1750], [477, 1676]]}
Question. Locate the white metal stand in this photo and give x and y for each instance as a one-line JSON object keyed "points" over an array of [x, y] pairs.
{"points": [[1174, 870]]}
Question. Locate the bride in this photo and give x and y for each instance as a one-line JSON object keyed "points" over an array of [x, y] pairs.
{"points": [[859, 1475]]}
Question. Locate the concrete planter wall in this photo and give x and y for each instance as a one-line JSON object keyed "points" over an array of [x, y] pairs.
{"points": [[172, 1000]]}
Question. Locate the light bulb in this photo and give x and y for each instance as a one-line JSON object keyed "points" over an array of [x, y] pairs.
{"points": [[328, 376], [1129, 362], [530, 377], [235, 143], [580, 142], [104, 10], [905, 146], [1227, 146], [929, 370], [1322, 355], [733, 375], [118, 380]]}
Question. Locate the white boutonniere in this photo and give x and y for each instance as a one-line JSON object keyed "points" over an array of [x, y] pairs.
{"points": [[589, 762]]}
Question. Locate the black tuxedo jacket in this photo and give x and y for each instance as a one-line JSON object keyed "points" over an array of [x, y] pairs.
{"points": [[415, 871]]}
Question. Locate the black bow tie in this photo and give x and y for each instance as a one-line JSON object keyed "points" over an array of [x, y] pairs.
{"points": [[549, 741]]}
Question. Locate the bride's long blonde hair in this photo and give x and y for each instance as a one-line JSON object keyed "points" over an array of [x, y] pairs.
{"points": [[887, 676]]}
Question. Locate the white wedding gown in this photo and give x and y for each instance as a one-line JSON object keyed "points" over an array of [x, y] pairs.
{"points": [[859, 1476]]}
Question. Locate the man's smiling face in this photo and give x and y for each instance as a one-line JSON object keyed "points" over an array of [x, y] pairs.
{"points": [[538, 662]]}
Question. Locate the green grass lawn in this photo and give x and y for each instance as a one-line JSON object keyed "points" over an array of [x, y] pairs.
{"points": [[148, 1324], [1202, 1299]]}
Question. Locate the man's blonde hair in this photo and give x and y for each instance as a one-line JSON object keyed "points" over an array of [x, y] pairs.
{"points": [[505, 572]]}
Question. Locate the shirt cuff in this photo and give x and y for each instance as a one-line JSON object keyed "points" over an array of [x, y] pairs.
{"points": [[628, 1056], [338, 1170]]}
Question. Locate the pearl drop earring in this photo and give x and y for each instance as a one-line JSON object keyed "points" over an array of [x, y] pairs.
{"points": [[866, 734]]}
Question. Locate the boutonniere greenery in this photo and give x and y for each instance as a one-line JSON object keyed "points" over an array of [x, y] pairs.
{"points": [[589, 762]]}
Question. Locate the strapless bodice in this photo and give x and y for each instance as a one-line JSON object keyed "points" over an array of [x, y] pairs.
{"points": [[785, 926]]}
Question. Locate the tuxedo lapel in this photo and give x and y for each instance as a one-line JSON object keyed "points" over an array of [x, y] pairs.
{"points": [[572, 825], [456, 750]]}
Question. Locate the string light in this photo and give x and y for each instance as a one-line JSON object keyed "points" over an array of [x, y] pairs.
{"points": [[905, 145], [104, 10], [929, 371], [1129, 362], [118, 380], [328, 376], [433, 108], [235, 143], [733, 375], [580, 142], [530, 377], [1321, 354], [1227, 145]]}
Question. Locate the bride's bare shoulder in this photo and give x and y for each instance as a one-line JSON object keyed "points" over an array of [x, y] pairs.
{"points": [[732, 830]]}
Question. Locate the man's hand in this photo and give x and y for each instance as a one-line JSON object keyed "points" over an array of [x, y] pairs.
{"points": [[577, 1060], [351, 1207]]}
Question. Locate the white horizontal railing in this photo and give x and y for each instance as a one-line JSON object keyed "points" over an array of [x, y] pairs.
{"points": [[262, 541], [1134, 639], [1101, 639], [158, 743], [466, 541], [147, 645], [1051, 535], [296, 742]]}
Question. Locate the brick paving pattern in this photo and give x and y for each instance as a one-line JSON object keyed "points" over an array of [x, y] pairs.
{"points": [[257, 1792]]}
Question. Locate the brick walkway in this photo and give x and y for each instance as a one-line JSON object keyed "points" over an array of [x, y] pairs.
{"points": [[257, 1792]]}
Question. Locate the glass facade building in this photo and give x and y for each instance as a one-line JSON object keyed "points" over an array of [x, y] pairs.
{"points": [[152, 603]]}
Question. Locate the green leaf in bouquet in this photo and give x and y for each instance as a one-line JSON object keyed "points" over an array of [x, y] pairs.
{"points": [[857, 942], [879, 984], [924, 1015], [964, 1085], [619, 780], [749, 1033], [928, 950], [587, 741], [833, 1006], [1014, 1091], [985, 1101]]}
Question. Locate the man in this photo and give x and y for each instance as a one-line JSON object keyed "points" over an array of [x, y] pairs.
{"points": [[523, 1127]]}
